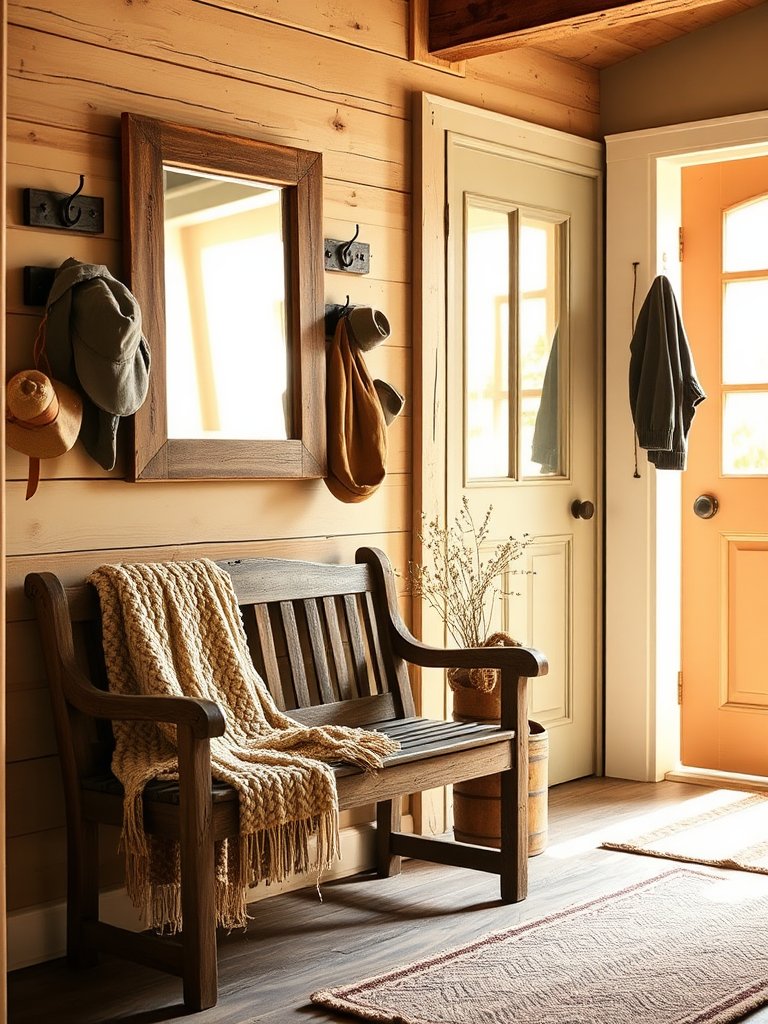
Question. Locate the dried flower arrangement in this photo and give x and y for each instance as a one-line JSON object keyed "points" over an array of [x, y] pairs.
{"points": [[462, 587]]}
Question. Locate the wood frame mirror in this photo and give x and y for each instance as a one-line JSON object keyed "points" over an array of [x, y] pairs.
{"points": [[149, 146]]}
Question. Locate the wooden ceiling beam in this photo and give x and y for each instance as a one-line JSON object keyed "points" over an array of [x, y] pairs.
{"points": [[461, 29]]}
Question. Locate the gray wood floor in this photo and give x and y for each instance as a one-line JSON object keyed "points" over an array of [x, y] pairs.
{"points": [[295, 944]]}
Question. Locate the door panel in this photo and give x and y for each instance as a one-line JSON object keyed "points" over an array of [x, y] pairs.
{"points": [[746, 615], [522, 398], [725, 558]]}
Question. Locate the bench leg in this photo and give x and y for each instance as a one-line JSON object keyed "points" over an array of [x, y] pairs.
{"points": [[514, 796], [387, 821], [82, 891], [198, 903]]}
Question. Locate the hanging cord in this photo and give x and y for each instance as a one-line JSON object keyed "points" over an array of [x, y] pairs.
{"points": [[38, 349], [40, 356], [635, 265]]}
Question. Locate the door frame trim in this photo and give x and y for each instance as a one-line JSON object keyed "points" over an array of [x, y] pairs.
{"points": [[434, 117], [642, 658]]}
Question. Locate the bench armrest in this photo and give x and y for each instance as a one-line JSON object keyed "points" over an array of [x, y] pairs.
{"points": [[519, 661], [204, 717]]}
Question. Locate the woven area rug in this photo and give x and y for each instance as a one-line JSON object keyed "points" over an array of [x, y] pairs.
{"points": [[728, 829], [683, 947]]}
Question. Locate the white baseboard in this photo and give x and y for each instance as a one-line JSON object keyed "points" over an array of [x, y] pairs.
{"points": [[39, 933], [720, 780]]}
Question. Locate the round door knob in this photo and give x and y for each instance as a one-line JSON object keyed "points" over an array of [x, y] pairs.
{"points": [[706, 506], [582, 509]]}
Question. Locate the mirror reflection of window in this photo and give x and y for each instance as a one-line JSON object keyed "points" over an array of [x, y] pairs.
{"points": [[226, 331]]}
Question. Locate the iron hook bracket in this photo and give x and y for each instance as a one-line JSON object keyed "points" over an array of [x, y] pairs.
{"points": [[351, 257], [68, 211]]}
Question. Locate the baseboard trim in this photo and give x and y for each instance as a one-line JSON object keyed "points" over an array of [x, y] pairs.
{"points": [[39, 933], [721, 780]]}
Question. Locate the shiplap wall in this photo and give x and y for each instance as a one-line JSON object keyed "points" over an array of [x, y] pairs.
{"points": [[330, 75]]}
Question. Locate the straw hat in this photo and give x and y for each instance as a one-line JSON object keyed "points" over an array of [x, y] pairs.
{"points": [[43, 416]]}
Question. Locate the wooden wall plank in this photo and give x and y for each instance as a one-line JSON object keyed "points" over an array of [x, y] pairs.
{"points": [[24, 666], [74, 515], [62, 149], [92, 89], [30, 725], [35, 796], [381, 28], [37, 866]]}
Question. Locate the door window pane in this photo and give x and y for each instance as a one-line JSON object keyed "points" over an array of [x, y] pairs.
{"points": [[745, 432], [514, 384], [540, 377], [487, 342], [745, 236], [745, 332]]}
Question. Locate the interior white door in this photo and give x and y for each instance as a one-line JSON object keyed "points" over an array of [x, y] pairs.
{"points": [[522, 398]]}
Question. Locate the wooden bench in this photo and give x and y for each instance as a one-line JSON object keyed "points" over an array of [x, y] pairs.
{"points": [[332, 648]]}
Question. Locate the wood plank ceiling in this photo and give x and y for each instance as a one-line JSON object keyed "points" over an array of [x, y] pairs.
{"points": [[594, 32]]}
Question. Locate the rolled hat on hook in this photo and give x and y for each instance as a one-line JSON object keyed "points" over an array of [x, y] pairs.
{"points": [[392, 402], [368, 327]]}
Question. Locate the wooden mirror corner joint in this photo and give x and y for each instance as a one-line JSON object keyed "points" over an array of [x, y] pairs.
{"points": [[150, 149]]}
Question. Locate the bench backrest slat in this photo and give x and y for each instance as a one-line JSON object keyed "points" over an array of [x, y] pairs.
{"points": [[333, 632], [295, 655], [269, 668], [352, 620], [319, 653]]}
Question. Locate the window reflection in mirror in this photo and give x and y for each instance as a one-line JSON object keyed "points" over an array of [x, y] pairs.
{"points": [[226, 320]]}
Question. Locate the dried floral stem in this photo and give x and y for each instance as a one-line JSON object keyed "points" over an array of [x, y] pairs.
{"points": [[457, 583]]}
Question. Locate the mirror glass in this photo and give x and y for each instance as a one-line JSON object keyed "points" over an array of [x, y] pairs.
{"points": [[227, 374]]}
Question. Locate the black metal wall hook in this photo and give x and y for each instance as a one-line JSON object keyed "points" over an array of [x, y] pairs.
{"points": [[334, 311], [66, 207], [346, 258], [64, 210], [351, 256]]}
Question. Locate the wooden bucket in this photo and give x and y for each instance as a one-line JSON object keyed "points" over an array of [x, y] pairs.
{"points": [[477, 802]]}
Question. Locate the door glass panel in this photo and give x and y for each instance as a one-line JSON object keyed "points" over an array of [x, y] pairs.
{"points": [[487, 341], [514, 382], [745, 236], [541, 409], [745, 332], [745, 432]]}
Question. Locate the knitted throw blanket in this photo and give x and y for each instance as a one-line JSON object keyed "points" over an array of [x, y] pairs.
{"points": [[175, 628]]}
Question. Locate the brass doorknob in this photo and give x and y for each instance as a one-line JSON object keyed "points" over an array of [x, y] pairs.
{"points": [[706, 506], [582, 509]]}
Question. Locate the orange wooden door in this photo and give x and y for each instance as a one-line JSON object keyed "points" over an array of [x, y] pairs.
{"points": [[725, 557]]}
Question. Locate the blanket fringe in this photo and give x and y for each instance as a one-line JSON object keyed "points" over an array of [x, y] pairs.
{"points": [[271, 855]]}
